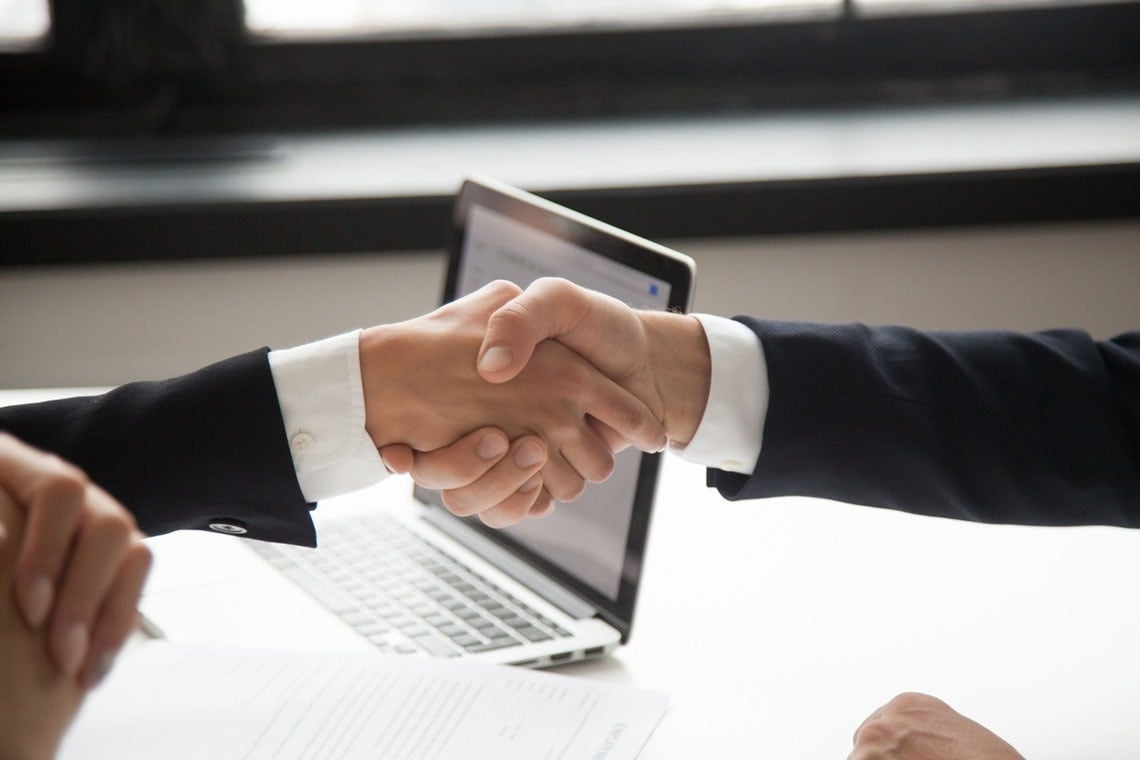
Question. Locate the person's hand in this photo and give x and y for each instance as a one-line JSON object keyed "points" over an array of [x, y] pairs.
{"points": [[660, 357], [507, 472], [429, 394], [81, 564], [37, 701], [920, 727]]}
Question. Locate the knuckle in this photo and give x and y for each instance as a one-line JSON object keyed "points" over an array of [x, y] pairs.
{"points": [[111, 528], [557, 287], [503, 289], [874, 732], [913, 700], [65, 484], [456, 504]]}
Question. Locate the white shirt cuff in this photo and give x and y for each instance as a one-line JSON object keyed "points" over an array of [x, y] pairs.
{"points": [[322, 404], [731, 430]]}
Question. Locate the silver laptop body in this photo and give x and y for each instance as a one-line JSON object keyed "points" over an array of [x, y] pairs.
{"points": [[395, 571]]}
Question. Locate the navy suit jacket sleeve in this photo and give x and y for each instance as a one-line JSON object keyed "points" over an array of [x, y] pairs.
{"points": [[1040, 429], [182, 453]]}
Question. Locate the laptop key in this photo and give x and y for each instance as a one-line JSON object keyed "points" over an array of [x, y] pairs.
{"points": [[533, 634], [435, 647], [321, 591], [492, 645]]}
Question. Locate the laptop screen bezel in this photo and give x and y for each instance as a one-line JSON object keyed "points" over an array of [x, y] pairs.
{"points": [[640, 254]]}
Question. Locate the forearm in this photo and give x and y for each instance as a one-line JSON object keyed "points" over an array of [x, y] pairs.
{"points": [[185, 452], [995, 427]]}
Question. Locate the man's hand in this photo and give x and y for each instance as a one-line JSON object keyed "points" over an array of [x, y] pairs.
{"points": [[423, 372], [918, 727], [510, 485], [81, 563], [37, 701], [662, 358]]}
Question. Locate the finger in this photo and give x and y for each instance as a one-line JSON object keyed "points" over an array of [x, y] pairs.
{"points": [[398, 458], [626, 415], [118, 617], [590, 455], [615, 440], [542, 506], [50, 492], [870, 719], [561, 479], [513, 473], [549, 308], [103, 538], [515, 507], [464, 462], [53, 517], [4, 539]]}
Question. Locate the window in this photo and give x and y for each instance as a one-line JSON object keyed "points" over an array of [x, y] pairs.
{"points": [[337, 18], [23, 23], [158, 67]]}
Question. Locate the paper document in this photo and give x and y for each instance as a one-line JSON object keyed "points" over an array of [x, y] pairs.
{"points": [[177, 701]]}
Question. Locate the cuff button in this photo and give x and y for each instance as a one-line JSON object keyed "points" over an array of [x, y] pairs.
{"points": [[229, 527]]}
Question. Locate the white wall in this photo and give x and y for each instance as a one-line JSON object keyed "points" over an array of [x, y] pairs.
{"points": [[104, 325]]}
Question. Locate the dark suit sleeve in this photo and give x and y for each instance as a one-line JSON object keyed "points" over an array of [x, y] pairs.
{"points": [[1040, 429], [183, 453]]}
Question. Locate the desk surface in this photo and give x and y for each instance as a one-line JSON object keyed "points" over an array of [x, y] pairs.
{"points": [[827, 610], [779, 625]]}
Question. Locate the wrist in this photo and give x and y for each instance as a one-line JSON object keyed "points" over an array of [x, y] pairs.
{"points": [[386, 408], [682, 368]]}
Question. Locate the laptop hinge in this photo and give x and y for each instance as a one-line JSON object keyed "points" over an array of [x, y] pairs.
{"points": [[568, 602]]}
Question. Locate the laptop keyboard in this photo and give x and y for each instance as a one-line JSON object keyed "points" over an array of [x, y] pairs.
{"points": [[403, 594]]}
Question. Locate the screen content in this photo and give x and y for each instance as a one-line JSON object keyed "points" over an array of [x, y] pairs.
{"points": [[586, 539]]}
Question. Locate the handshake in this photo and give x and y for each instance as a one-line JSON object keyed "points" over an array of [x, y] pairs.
{"points": [[505, 400], [509, 400]]}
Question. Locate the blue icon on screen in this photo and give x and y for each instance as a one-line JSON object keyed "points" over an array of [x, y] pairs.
{"points": [[652, 288]]}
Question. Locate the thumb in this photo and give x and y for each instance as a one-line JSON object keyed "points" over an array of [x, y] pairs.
{"points": [[549, 308]]}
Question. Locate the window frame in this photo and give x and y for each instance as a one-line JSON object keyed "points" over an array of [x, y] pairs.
{"points": [[848, 60]]}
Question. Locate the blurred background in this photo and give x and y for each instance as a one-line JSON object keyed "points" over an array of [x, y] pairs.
{"points": [[182, 180]]}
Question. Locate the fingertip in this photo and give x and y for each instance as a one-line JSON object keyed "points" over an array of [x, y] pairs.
{"points": [[492, 445], [398, 458], [71, 648], [541, 510], [530, 453], [495, 360], [36, 600]]}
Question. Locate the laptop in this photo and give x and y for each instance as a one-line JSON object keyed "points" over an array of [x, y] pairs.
{"points": [[394, 570]]}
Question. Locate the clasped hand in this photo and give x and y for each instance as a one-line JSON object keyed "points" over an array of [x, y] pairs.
{"points": [[575, 370]]}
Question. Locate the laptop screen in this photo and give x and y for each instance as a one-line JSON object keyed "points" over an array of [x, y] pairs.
{"points": [[595, 544]]}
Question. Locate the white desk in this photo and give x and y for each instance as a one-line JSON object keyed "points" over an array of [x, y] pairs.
{"points": [[1031, 631], [779, 625]]}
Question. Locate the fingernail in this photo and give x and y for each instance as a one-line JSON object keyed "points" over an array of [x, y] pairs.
{"points": [[73, 648], [496, 358], [534, 482], [541, 511], [37, 604], [491, 446], [529, 454]]}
